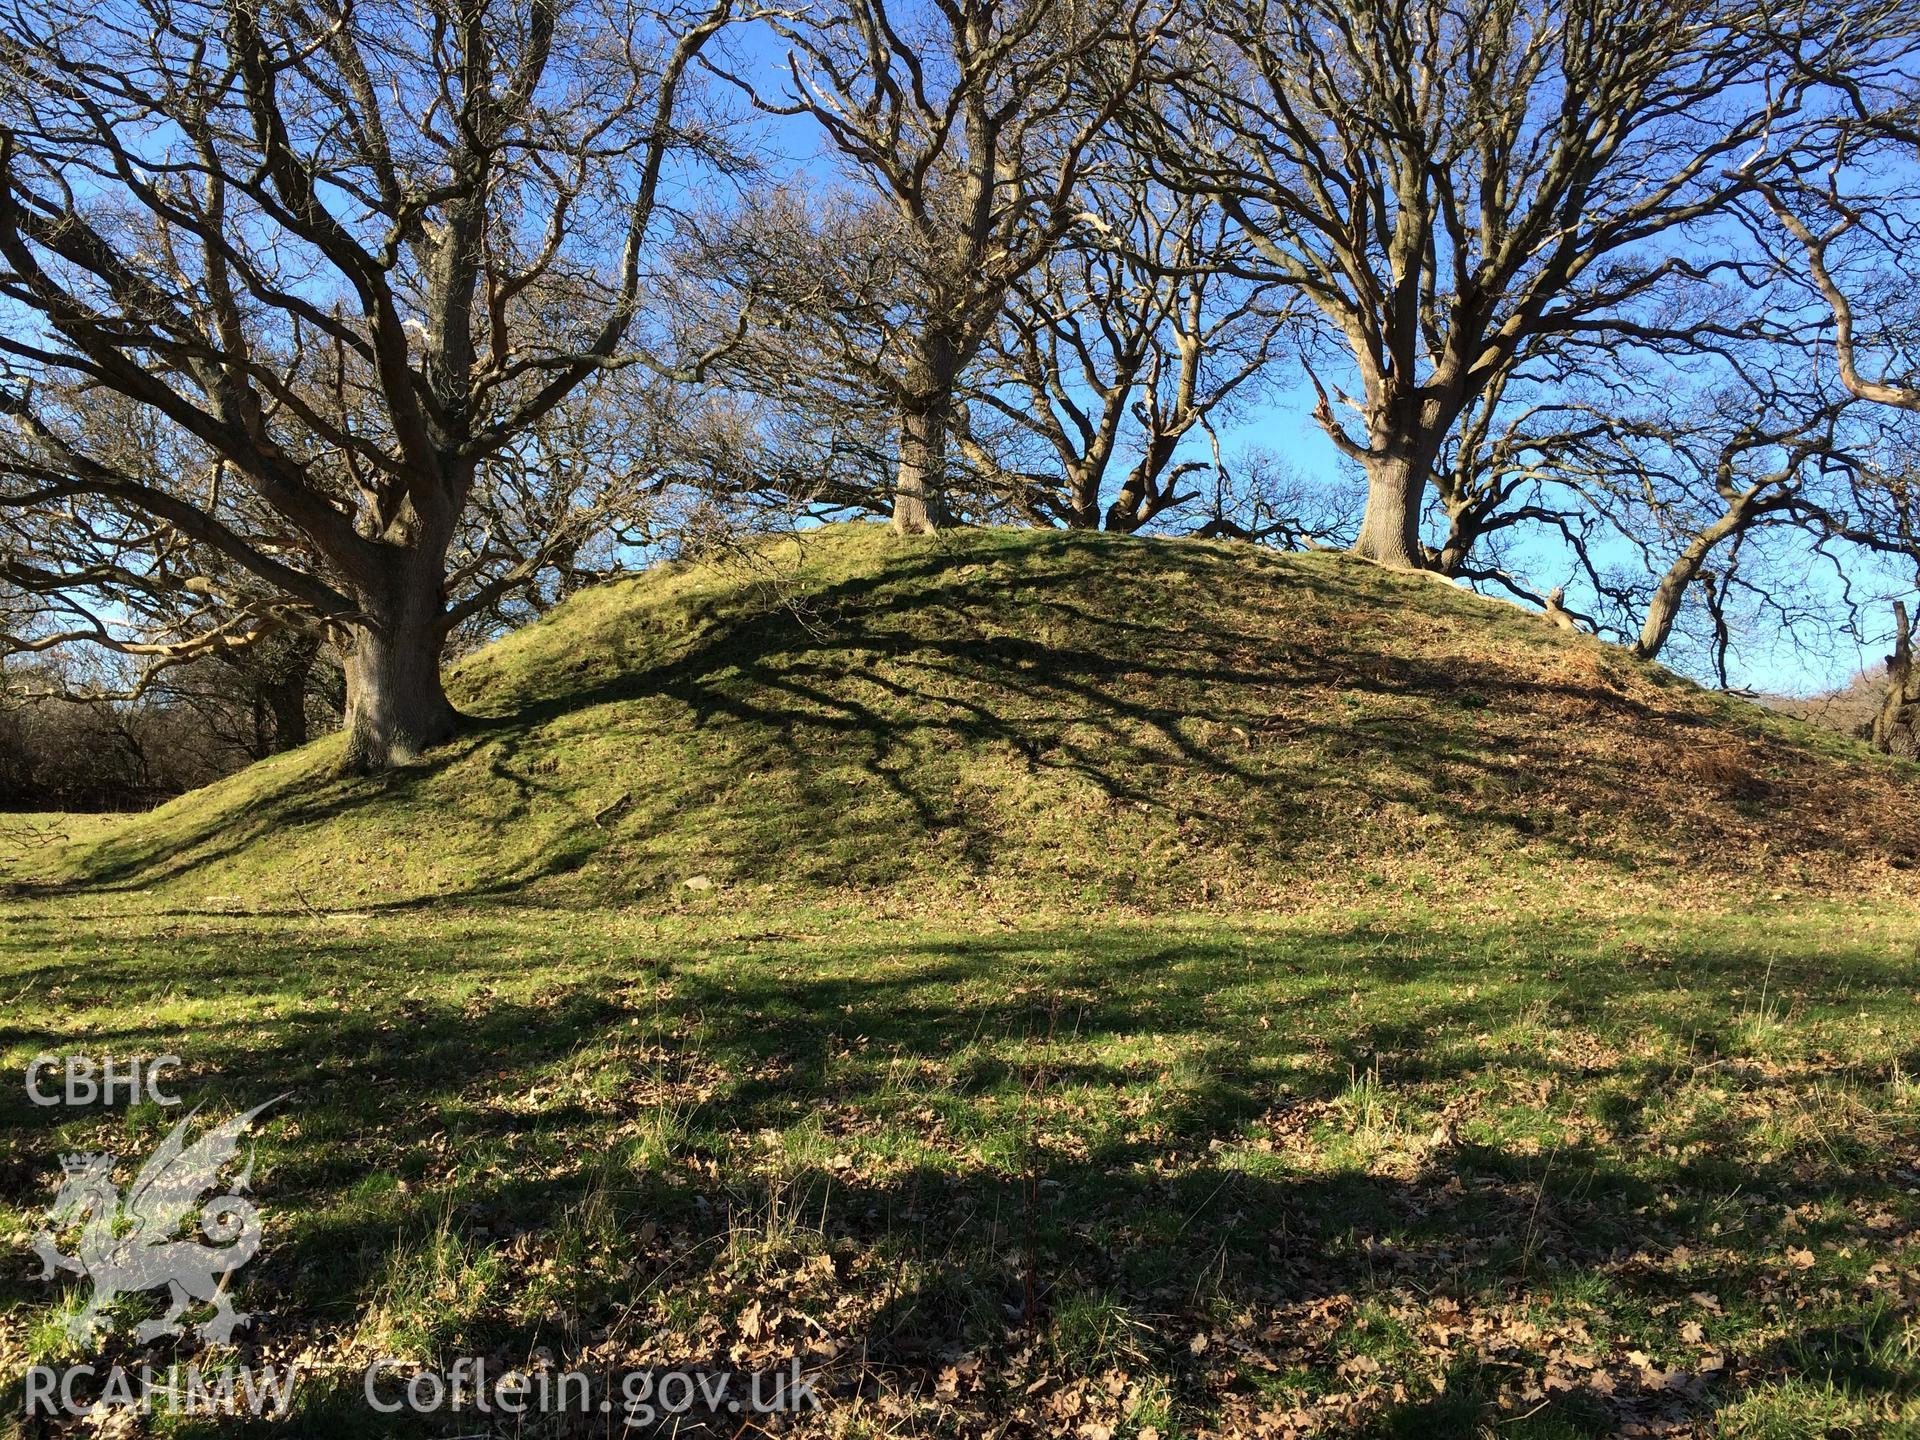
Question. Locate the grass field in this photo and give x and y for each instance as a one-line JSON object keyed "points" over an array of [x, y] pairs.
{"points": [[1399, 1172], [1560, 1090]]}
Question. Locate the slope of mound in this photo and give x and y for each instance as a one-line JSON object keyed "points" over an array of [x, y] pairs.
{"points": [[1016, 714]]}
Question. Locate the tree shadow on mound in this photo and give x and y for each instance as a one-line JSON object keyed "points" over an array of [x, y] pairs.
{"points": [[919, 718], [1028, 1181]]}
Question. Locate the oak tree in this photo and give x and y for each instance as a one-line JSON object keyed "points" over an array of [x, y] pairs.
{"points": [[343, 255]]}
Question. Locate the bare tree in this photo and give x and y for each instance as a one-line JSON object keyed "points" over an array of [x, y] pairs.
{"points": [[1896, 728], [1837, 229], [584, 496], [1841, 203], [1756, 476], [349, 253], [966, 126], [576, 500], [1125, 341], [1259, 498], [1466, 190], [1817, 248], [260, 699], [1697, 501]]}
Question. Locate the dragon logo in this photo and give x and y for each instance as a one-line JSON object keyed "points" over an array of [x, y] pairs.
{"points": [[133, 1242]]}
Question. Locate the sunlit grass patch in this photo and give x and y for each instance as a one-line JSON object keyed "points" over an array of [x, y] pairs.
{"points": [[1279, 1162], [1802, 1409], [432, 1291], [1092, 1331]]}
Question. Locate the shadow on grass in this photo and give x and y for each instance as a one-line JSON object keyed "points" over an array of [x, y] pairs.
{"points": [[1039, 1123], [1218, 704]]}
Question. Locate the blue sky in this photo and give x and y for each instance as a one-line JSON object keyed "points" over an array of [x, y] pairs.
{"points": [[1282, 425]]}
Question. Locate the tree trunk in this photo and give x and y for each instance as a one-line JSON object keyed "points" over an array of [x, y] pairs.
{"points": [[1141, 495], [1130, 509], [1664, 607], [1464, 527], [286, 666], [396, 707], [1083, 495], [918, 493], [1390, 528], [262, 745], [286, 697], [1896, 729]]}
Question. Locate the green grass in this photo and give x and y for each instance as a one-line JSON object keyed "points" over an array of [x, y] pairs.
{"points": [[1143, 989], [1407, 1171], [1014, 717]]}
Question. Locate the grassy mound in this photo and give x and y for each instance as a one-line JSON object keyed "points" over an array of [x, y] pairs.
{"points": [[1535, 1055], [1091, 720]]}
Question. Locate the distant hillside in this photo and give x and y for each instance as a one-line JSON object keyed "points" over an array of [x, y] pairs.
{"points": [[1847, 710], [1115, 722]]}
